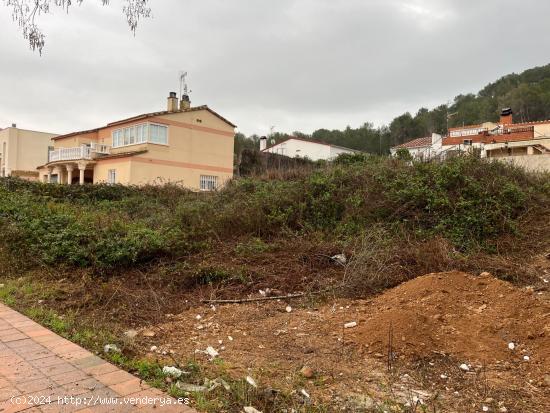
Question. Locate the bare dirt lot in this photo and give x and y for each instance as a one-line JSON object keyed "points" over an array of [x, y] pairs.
{"points": [[458, 343]]}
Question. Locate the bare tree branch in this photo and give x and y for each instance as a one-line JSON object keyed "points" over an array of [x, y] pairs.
{"points": [[26, 12]]}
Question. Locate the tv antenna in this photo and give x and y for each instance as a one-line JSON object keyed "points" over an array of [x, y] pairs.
{"points": [[184, 91]]}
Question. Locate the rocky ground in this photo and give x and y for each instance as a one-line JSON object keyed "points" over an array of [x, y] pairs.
{"points": [[446, 341]]}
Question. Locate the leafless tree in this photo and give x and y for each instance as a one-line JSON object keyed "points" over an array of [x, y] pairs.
{"points": [[26, 12]]}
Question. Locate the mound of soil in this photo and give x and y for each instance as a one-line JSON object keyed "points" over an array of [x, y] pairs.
{"points": [[469, 317], [439, 321]]}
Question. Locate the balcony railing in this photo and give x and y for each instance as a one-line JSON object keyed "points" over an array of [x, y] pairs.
{"points": [[512, 130], [78, 152]]}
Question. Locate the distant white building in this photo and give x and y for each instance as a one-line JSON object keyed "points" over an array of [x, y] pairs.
{"points": [[421, 148], [304, 148]]}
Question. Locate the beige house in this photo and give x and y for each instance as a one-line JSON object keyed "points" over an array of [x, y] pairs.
{"points": [[21, 150], [188, 146]]}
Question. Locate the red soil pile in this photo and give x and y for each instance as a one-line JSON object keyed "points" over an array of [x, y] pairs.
{"points": [[465, 316]]}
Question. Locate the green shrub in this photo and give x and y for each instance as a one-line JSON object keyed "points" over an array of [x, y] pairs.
{"points": [[251, 248], [466, 200], [403, 154]]}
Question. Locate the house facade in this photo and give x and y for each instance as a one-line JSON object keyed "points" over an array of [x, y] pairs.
{"points": [[21, 150], [184, 145], [522, 144], [303, 148], [421, 148]]}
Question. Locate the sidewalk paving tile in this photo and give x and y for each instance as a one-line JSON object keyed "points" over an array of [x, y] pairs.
{"points": [[42, 371]]}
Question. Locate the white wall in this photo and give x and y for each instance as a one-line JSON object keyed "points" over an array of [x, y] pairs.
{"points": [[335, 151], [295, 148], [533, 163]]}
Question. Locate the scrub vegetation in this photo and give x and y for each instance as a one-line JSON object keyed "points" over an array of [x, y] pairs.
{"points": [[81, 260], [470, 203]]}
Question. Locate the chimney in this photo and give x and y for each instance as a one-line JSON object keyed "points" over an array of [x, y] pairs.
{"points": [[263, 143], [172, 102], [185, 103], [506, 116], [14, 125]]}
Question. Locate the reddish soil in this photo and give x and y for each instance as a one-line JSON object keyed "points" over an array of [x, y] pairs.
{"points": [[470, 318], [439, 321]]}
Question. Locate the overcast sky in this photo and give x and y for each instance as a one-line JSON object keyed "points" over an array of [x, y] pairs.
{"points": [[295, 64]]}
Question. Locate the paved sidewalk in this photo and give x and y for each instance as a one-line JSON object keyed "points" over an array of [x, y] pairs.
{"points": [[37, 366]]}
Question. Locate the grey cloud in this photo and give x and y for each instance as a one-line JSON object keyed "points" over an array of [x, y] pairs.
{"points": [[296, 64]]}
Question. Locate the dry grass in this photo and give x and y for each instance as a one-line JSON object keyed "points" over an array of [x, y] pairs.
{"points": [[381, 259]]}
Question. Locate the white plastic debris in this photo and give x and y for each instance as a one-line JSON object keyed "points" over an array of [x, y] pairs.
{"points": [[444, 377], [192, 388], [212, 352], [350, 324], [230, 338], [111, 348], [262, 293], [251, 381], [153, 348], [464, 367], [131, 333], [511, 346], [305, 393], [198, 317], [250, 409], [340, 259], [526, 358], [288, 309], [485, 408], [172, 371]]}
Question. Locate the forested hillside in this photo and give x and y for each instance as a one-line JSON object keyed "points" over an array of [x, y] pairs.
{"points": [[528, 94]]}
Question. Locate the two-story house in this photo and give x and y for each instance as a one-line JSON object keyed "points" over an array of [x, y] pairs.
{"points": [[189, 146], [523, 144]]}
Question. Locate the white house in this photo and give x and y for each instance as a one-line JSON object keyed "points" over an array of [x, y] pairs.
{"points": [[421, 148], [524, 144], [304, 148]]}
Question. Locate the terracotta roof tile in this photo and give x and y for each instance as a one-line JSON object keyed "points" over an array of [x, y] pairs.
{"points": [[416, 143], [166, 112], [146, 116]]}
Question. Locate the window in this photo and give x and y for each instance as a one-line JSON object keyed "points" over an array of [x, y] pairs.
{"points": [[111, 176], [467, 142], [208, 182], [116, 138], [158, 134], [143, 133]]}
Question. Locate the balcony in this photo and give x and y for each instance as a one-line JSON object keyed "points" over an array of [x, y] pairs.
{"points": [[524, 130], [90, 151]]}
